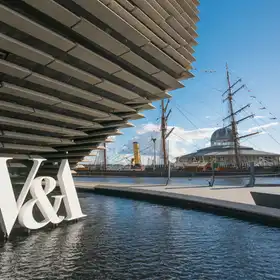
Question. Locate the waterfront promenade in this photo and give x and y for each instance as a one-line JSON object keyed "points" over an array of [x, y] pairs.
{"points": [[235, 194]]}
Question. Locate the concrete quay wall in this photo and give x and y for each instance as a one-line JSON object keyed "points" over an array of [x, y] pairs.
{"points": [[163, 173], [254, 213]]}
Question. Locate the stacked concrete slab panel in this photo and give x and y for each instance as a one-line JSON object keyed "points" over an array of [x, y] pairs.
{"points": [[73, 72]]}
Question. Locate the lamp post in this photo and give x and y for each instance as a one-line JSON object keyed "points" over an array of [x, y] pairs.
{"points": [[154, 163]]}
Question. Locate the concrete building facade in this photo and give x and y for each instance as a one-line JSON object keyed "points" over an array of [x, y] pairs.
{"points": [[74, 72]]}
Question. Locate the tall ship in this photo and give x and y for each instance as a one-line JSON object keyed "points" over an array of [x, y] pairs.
{"points": [[225, 152]]}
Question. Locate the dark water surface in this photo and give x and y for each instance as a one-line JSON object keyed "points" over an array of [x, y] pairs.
{"points": [[126, 239]]}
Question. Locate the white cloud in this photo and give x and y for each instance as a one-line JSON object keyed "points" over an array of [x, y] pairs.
{"points": [[150, 127], [259, 128], [180, 141], [260, 117], [111, 138], [180, 134]]}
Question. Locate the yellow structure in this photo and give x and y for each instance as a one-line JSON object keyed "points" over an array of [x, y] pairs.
{"points": [[136, 150]]}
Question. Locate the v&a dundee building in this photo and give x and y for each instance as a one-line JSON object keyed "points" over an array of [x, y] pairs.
{"points": [[74, 72]]}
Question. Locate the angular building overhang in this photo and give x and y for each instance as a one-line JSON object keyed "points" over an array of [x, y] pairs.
{"points": [[73, 72]]}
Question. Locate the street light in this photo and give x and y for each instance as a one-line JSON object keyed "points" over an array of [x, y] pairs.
{"points": [[154, 140]]}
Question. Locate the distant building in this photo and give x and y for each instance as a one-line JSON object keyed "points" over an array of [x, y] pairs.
{"points": [[221, 152]]}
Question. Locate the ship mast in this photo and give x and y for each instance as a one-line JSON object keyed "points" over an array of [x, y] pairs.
{"points": [[105, 156], [163, 132], [163, 128], [233, 123]]}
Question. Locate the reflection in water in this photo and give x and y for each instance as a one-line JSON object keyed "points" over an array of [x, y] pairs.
{"points": [[126, 239], [42, 252]]}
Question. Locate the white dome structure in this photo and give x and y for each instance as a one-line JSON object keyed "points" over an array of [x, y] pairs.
{"points": [[222, 136]]}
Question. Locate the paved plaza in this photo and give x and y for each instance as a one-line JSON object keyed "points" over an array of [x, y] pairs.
{"points": [[234, 194]]}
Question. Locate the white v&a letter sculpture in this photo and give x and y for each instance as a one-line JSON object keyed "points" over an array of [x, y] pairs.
{"points": [[11, 209]]}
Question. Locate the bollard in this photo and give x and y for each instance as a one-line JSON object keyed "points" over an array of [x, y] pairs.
{"points": [[252, 176]]}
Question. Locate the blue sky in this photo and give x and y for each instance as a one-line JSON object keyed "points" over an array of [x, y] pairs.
{"points": [[245, 34]]}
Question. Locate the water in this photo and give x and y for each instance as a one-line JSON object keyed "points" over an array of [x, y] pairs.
{"points": [[198, 181], [127, 239]]}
